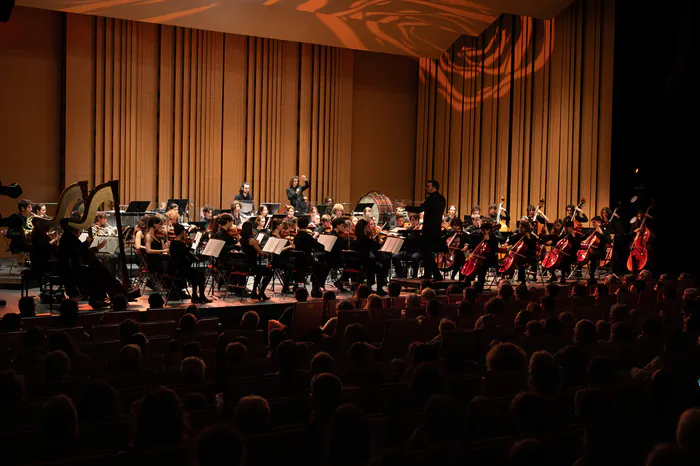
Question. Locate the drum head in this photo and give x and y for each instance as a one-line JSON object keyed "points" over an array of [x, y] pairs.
{"points": [[382, 207]]}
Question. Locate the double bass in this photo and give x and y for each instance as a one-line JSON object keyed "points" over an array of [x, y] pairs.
{"points": [[503, 226], [478, 256], [578, 228], [639, 255], [554, 257]]}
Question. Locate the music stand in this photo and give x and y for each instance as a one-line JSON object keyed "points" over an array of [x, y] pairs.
{"points": [[361, 206], [272, 208], [181, 204], [137, 206], [247, 207], [324, 209]]}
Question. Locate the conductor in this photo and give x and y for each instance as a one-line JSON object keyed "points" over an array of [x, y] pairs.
{"points": [[433, 207]]}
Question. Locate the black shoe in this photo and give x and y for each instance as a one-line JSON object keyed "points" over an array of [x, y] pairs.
{"points": [[263, 297], [286, 291], [204, 300], [195, 300], [316, 293], [339, 286], [254, 295]]}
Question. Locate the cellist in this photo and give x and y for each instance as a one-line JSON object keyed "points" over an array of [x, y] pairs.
{"points": [[568, 259], [597, 252], [492, 239], [635, 227], [530, 239]]}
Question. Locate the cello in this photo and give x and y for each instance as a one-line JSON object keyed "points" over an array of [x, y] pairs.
{"points": [[478, 255], [445, 260], [516, 253], [583, 255], [554, 257], [638, 254]]}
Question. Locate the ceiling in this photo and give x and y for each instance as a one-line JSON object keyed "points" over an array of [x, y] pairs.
{"points": [[423, 28]]}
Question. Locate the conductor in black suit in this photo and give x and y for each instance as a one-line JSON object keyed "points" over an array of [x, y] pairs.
{"points": [[295, 192], [433, 208]]}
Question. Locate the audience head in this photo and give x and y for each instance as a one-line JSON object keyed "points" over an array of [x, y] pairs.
{"points": [[363, 292], [99, 403], [428, 294], [58, 425], [160, 420], [432, 309], [688, 432], [155, 301], [250, 321], [442, 418], [534, 329], [326, 393], [301, 295], [544, 373], [638, 286], [361, 355], [668, 454], [354, 333], [602, 328], [552, 290], [350, 437], [141, 340], [619, 313], [601, 373], [192, 309], [322, 363], [252, 415], [57, 366], [579, 289], [189, 324], [127, 329], [11, 322], [130, 359], [548, 305], [471, 294], [527, 452], [522, 292], [531, 413], [192, 369], [523, 317], [119, 302], [495, 306], [413, 300], [27, 306], [394, 289], [328, 296], [585, 333], [11, 387], [69, 312], [602, 290], [506, 357], [374, 301], [446, 325], [236, 353], [427, 381], [218, 446], [505, 291], [287, 357]]}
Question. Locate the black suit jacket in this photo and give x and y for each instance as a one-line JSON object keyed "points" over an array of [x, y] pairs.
{"points": [[297, 199], [432, 208]]}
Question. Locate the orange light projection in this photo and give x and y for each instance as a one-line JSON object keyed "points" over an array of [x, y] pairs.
{"points": [[485, 67]]}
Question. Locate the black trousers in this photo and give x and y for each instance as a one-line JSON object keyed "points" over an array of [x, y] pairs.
{"points": [[523, 265], [459, 262], [427, 248], [374, 266], [413, 258], [595, 256]]}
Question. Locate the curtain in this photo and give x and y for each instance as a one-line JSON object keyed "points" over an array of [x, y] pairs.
{"points": [[522, 112]]}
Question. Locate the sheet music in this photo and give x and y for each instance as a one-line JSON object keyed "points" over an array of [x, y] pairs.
{"points": [[327, 241], [392, 245], [213, 248], [109, 248], [83, 237], [275, 245], [260, 237], [197, 239]]}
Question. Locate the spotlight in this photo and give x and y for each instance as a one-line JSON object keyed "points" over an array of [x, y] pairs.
{"points": [[636, 170]]}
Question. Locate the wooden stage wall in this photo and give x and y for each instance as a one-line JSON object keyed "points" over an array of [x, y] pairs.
{"points": [[524, 111]]}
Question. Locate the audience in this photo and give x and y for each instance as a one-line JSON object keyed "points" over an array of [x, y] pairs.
{"points": [[252, 415], [160, 420], [27, 306], [58, 427]]}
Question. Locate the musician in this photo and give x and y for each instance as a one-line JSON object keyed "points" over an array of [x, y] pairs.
{"points": [[398, 221], [620, 240], [40, 210], [282, 261], [367, 250], [476, 210], [325, 226], [474, 231], [156, 246], [303, 205], [306, 244], [598, 252], [43, 249], [410, 251], [181, 260], [173, 213], [263, 211], [493, 213], [328, 201], [568, 259], [432, 209], [557, 232], [338, 211], [537, 220], [530, 240], [580, 216], [244, 193], [78, 280], [236, 213], [259, 225], [315, 221], [289, 210], [635, 228], [295, 192], [101, 229], [252, 251], [457, 241], [19, 227], [451, 213], [492, 237], [140, 235], [207, 213], [225, 223]]}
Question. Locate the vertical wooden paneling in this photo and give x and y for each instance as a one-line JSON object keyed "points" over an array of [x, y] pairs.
{"points": [[168, 168]]}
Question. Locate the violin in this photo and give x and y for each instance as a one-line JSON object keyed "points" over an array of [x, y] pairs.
{"points": [[233, 232], [638, 254], [554, 257]]}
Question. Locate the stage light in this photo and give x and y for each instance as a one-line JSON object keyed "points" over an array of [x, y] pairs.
{"points": [[636, 170]]}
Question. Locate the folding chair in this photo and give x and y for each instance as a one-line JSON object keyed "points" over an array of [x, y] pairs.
{"points": [[15, 262]]}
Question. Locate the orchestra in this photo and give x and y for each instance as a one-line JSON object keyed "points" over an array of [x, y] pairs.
{"points": [[435, 240]]}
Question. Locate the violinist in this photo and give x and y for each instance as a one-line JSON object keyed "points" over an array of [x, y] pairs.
{"points": [[303, 205], [338, 211], [568, 258], [473, 231], [476, 210], [173, 214], [306, 244], [334, 257], [493, 213], [224, 233], [207, 213], [315, 221], [597, 252], [530, 240], [181, 260], [259, 225], [367, 214], [410, 253], [324, 227], [252, 251], [579, 216], [236, 213], [451, 213], [156, 245], [295, 191], [263, 211], [367, 250], [140, 235], [398, 221], [282, 261]]}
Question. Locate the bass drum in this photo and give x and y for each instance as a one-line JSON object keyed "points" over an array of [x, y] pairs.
{"points": [[382, 208]]}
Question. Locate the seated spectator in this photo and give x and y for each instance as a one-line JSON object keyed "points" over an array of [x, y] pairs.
{"points": [[573, 363], [322, 363], [668, 454], [522, 293], [534, 329], [688, 433], [532, 414], [141, 341], [192, 370], [428, 294], [506, 357], [442, 424], [619, 313], [58, 427], [452, 290], [394, 289], [80, 363], [591, 285], [11, 322], [445, 326], [494, 310], [374, 301], [602, 329], [119, 303], [189, 325], [218, 446], [127, 329], [350, 437], [191, 348], [68, 311], [160, 420], [276, 337], [31, 357], [361, 355], [155, 301], [521, 319], [194, 310], [236, 354], [601, 373], [413, 300], [638, 286], [250, 321], [130, 359], [601, 290], [326, 393], [252, 415], [57, 366], [362, 292], [505, 291], [99, 403], [551, 290], [354, 333], [544, 374], [11, 388], [27, 306], [427, 381], [579, 290], [644, 275], [290, 376]]}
